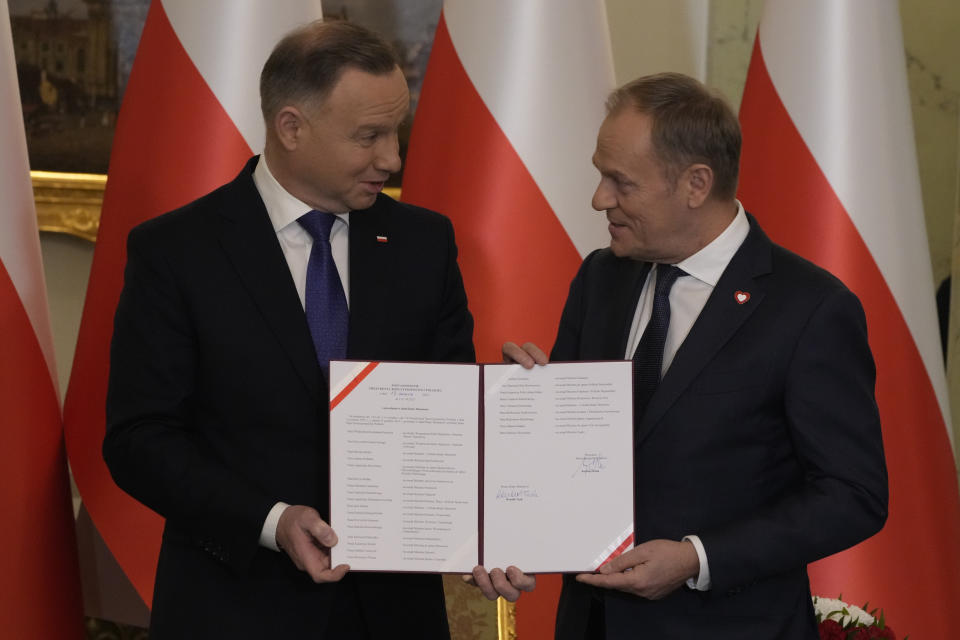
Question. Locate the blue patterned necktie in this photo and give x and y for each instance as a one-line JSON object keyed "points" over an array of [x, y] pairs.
{"points": [[648, 358], [324, 301]]}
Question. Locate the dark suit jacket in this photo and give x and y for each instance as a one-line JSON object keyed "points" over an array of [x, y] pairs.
{"points": [[763, 438], [217, 408]]}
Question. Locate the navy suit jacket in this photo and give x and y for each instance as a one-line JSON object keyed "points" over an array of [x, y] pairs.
{"points": [[763, 438], [217, 408]]}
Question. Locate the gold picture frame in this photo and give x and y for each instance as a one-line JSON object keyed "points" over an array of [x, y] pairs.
{"points": [[506, 620], [69, 202]]}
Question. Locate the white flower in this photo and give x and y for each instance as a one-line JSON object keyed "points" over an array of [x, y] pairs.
{"points": [[833, 609]]}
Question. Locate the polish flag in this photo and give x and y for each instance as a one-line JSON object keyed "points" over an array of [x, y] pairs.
{"points": [[190, 119], [829, 168], [504, 133], [39, 573]]}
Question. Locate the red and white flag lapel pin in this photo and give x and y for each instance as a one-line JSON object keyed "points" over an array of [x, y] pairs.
{"points": [[741, 296], [382, 239]]}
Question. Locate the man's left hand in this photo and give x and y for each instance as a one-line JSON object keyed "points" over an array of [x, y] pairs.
{"points": [[509, 584], [651, 570]]}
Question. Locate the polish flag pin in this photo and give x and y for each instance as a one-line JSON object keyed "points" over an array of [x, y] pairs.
{"points": [[382, 239], [741, 297]]}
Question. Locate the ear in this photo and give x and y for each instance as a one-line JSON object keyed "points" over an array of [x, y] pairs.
{"points": [[698, 179], [288, 125]]}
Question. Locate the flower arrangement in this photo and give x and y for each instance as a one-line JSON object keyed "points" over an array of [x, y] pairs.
{"points": [[837, 620]]}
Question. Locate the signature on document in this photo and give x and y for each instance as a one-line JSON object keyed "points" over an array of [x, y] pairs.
{"points": [[590, 463], [516, 492]]}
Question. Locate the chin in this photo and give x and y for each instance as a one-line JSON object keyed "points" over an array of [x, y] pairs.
{"points": [[619, 250], [631, 253], [362, 202]]}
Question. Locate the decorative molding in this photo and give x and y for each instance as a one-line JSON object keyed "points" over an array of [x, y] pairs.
{"points": [[71, 202], [506, 620], [97, 629]]}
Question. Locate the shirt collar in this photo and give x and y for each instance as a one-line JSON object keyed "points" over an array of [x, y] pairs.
{"points": [[282, 207], [708, 264]]}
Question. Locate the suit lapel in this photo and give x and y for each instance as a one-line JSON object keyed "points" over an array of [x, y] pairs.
{"points": [[374, 242], [623, 307], [248, 239], [720, 319]]}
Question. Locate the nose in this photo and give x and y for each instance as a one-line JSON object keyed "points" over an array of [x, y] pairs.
{"points": [[388, 154], [603, 198]]}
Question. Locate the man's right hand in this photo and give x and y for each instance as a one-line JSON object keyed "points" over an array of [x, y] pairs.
{"points": [[306, 538], [527, 355]]}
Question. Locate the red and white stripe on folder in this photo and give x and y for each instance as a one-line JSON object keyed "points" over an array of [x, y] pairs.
{"points": [[342, 387], [623, 543]]}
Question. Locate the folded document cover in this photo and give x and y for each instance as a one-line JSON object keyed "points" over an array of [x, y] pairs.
{"points": [[441, 467]]}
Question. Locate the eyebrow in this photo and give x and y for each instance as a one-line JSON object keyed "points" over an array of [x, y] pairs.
{"points": [[615, 174], [371, 128]]}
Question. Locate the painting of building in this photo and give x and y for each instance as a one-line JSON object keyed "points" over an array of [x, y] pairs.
{"points": [[74, 58], [67, 66]]}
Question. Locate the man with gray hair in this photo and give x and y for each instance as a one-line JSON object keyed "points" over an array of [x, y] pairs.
{"points": [[757, 443], [231, 310]]}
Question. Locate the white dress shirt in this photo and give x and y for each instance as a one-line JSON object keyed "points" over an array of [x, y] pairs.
{"points": [[283, 210], [687, 298]]}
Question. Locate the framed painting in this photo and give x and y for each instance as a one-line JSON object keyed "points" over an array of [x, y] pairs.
{"points": [[74, 58]]}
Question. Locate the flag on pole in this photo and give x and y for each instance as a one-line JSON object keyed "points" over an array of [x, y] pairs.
{"points": [[39, 573], [502, 143], [829, 168], [190, 119]]}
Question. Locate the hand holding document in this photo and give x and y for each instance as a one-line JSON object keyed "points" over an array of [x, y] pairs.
{"points": [[441, 467]]}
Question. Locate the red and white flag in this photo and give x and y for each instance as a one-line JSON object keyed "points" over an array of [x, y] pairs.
{"points": [[190, 119], [39, 574], [504, 133], [829, 168]]}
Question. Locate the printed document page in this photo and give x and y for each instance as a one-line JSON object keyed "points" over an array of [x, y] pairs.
{"points": [[404, 450], [558, 478]]}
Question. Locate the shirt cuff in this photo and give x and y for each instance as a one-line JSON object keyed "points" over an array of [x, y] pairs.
{"points": [[702, 581], [268, 534]]}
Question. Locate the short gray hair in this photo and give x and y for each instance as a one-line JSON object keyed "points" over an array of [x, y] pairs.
{"points": [[691, 124], [308, 62]]}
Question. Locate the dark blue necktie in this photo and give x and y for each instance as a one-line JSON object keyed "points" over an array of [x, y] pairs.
{"points": [[324, 301], [648, 358]]}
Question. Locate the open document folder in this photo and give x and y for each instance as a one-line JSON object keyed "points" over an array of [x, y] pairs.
{"points": [[441, 467]]}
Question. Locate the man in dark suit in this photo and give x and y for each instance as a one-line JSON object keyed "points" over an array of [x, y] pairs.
{"points": [[757, 438], [217, 407]]}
